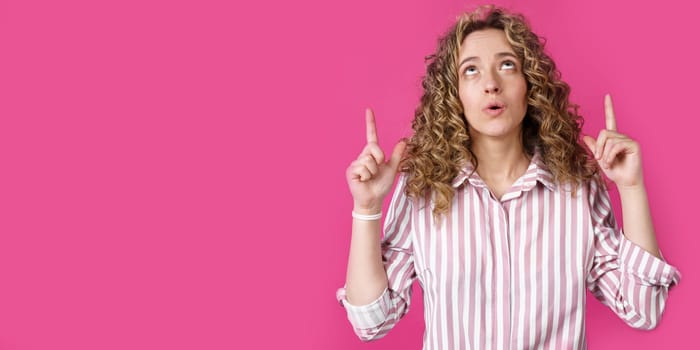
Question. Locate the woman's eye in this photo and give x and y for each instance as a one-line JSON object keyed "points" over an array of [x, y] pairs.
{"points": [[470, 71], [508, 65]]}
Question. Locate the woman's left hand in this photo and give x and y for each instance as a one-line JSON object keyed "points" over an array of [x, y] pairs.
{"points": [[618, 155]]}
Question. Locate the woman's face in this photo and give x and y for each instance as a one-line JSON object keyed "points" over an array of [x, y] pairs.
{"points": [[492, 87]]}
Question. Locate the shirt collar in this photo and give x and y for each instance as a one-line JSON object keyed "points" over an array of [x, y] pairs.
{"points": [[537, 171]]}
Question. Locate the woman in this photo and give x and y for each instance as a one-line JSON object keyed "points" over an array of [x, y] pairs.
{"points": [[499, 211]]}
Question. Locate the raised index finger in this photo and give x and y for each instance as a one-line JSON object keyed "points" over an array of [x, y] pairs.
{"points": [[610, 123], [371, 126]]}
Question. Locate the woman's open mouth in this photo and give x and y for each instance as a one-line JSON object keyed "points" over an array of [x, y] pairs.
{"points": [[494, 108]]}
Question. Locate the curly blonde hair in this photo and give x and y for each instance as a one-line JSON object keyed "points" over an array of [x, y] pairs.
{"points": [[441, 145]]}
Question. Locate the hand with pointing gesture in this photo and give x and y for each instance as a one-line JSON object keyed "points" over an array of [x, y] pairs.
{"points": [[369, 177], [618, 155]]}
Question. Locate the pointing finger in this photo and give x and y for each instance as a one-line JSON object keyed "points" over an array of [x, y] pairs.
{"points": [[371, 126], [610, 123]]}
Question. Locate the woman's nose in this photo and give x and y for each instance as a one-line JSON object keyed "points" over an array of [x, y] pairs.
{"points": [[491, 83], [492, 86]]}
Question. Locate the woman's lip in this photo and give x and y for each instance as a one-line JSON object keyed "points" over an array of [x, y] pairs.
{"points": [[494, 112]]}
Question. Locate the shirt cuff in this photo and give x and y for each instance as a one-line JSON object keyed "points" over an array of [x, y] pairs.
{"points": [[648, 269], [366, 316]]}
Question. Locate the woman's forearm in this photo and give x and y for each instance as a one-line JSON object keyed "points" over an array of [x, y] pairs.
{"points": [[636, 217], [366, 277]]}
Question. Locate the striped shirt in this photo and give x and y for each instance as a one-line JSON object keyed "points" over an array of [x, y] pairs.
{"points": [[512, 273]]}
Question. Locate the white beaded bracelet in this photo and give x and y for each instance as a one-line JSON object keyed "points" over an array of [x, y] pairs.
{"points": [[367, 217]]}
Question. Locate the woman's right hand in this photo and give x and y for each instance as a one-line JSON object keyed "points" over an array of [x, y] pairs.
{"points": [[369, 177]]}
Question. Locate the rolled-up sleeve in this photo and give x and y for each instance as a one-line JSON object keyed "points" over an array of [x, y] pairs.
{"points": [[374, 320], [625, 277]]}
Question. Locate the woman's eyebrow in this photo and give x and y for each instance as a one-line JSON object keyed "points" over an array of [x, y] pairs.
{"points": [[498, 55]]}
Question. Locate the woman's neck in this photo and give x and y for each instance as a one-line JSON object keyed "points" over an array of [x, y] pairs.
{"points": [[500, 160]]}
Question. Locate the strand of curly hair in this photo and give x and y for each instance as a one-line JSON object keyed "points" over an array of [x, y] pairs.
{"points": [[441, 145]]}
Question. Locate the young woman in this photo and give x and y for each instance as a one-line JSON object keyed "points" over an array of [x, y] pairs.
{"points": [[499, 211]]}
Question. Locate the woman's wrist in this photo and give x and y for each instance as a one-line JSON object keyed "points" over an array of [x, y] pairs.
{"points": [[631, 191], [367, 210]]}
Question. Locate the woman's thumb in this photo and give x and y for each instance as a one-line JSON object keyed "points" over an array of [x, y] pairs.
{"points": [[397, 154], [590, 142]]}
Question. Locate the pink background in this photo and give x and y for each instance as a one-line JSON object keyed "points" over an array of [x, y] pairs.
{"points": [[172, 172]]}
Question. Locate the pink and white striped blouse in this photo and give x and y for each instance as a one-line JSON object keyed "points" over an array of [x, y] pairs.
{"points": [[511, 274]]}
